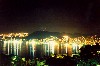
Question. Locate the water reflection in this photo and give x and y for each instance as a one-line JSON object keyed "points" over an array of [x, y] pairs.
{"points": [[38, 47]]}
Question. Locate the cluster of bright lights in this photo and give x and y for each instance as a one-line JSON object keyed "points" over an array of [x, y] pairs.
{"points": [[53, 43], [89, 40], [50, 41], [13, 35]]}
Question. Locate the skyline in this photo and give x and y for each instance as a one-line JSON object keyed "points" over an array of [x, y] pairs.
{"points": [[55, 16]]}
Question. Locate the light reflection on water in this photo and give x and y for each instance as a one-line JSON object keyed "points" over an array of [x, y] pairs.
{"points": [[36, 48]]}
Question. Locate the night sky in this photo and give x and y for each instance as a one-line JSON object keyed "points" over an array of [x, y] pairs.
{"points": [[71, 16]]}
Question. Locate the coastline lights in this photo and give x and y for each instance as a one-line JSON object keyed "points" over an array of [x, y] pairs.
{"points": [[66, 37], [4, 36]]}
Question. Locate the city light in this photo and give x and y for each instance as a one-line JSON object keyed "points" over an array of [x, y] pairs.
{"points": [[49, 45]]}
